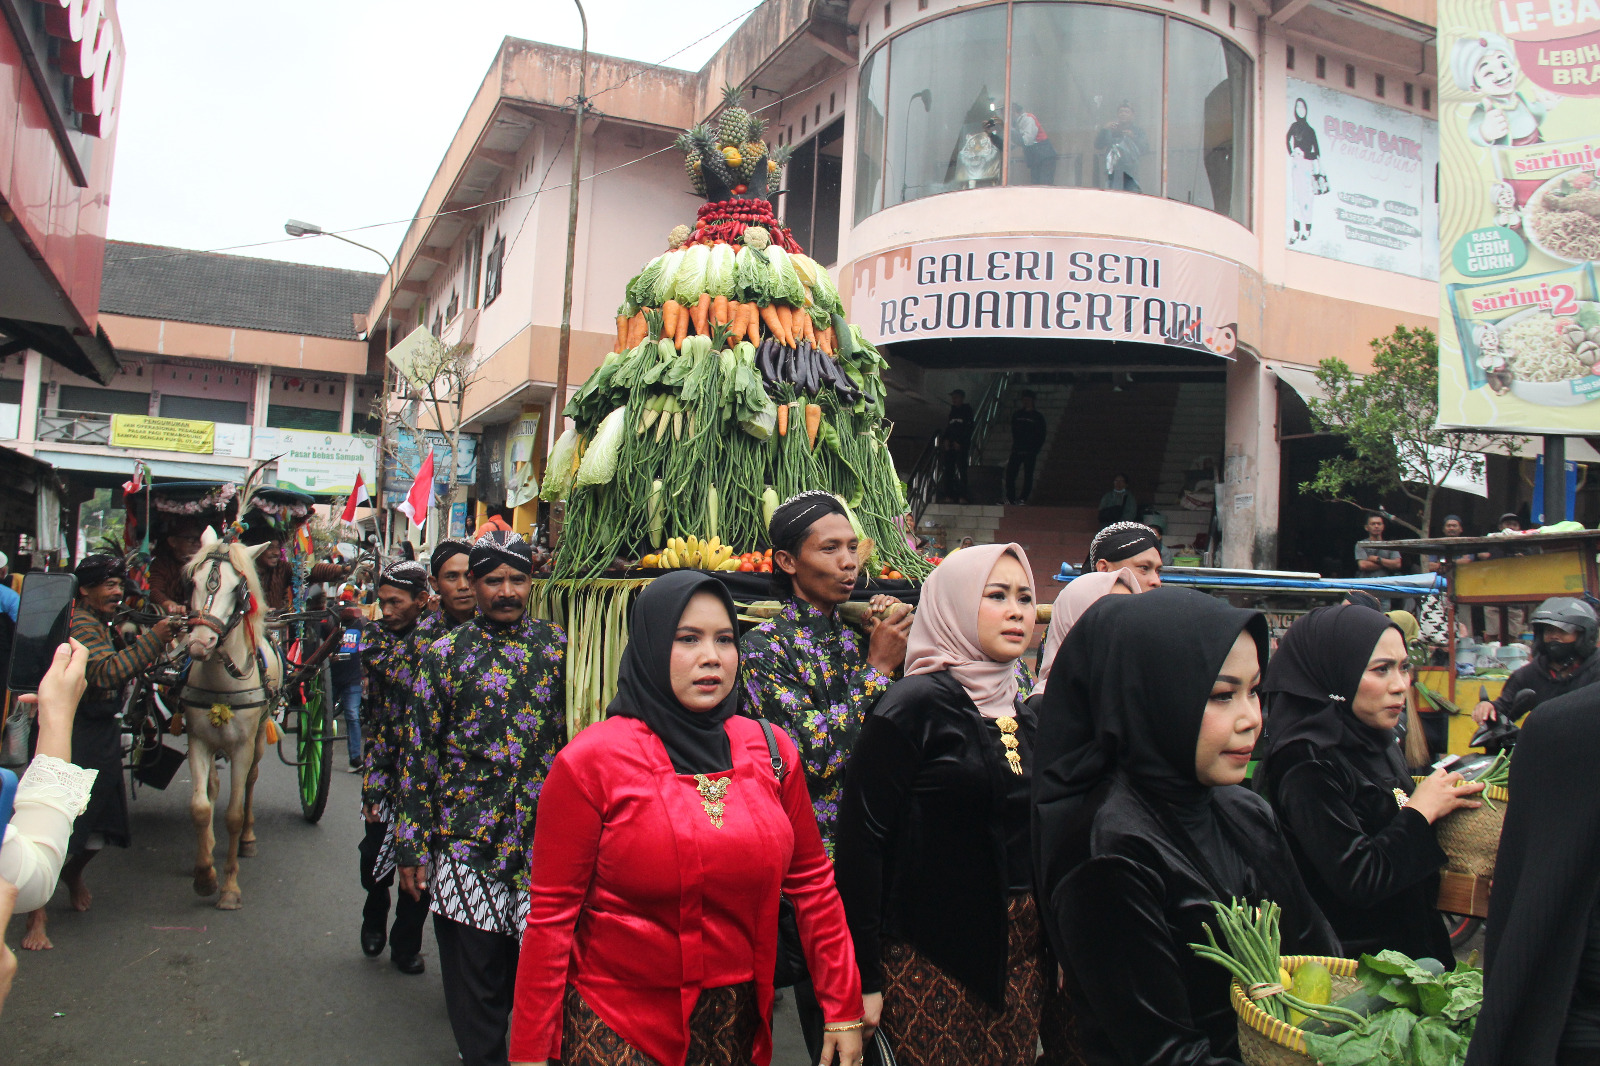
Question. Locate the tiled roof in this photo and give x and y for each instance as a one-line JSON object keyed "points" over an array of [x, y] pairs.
{"points": [[153, 281]]}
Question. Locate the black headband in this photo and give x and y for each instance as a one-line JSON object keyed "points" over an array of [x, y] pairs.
{"points": [[448, 549], [795, 516], [407, 576], [99, 568], [499, 548], [1122, 540]]}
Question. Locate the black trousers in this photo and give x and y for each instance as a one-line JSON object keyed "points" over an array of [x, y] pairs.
{"points": [[480, 979], [1020, 461], [405, 938]]}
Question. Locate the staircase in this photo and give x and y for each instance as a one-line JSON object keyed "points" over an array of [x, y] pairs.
{"points": [[1197, 429]]}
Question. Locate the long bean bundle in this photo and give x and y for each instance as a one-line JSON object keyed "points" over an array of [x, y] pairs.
{"points": [[1252, 957]]}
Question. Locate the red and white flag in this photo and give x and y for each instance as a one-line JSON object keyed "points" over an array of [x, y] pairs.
{"points": [[419, 501], [358, 497]]}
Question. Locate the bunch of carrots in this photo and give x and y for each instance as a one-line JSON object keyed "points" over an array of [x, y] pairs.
{"points": [[741, 321]]}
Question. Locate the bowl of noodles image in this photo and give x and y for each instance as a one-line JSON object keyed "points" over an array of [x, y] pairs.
{"points": [[1546, 354], [1562, 217]]}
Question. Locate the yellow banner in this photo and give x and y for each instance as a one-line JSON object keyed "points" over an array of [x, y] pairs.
{"points": [[1519, 215], [163, 434]]}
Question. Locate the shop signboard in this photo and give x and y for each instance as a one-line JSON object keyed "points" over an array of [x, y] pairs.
{"points": [[411, 455], [1519, 215], [321, 464], [1361, 182], [163, 434], [458, 519], [1052, 288], [522, 449]]}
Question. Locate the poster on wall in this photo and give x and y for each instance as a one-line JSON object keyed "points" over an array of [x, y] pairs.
{"points": [[1519, 215], [1361, 182], [1050, 288], [522, 450], [321, 464]]}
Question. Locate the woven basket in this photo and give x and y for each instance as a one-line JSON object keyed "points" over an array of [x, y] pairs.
{"points": [[1471, 837], [1263, 1039]]}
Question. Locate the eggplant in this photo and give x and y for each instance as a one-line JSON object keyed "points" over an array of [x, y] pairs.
{"points": [[766, 361]]}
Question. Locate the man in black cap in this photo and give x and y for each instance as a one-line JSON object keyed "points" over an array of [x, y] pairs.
{"points": [[1131, 545], [402, 595], [97, 729], [487, 717]]}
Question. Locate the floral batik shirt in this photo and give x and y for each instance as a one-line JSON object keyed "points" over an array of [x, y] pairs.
{"points": [[486, 718], [383, 707], [807, 673]]}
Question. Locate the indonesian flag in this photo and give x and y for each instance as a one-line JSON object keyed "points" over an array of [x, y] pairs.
{"points": [[136, 484], [358, 496], [419, 501]]}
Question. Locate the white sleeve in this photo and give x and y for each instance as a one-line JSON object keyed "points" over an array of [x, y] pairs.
{"points": [[50, 796]]}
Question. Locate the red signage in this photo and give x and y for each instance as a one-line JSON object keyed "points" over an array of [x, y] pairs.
{"points": [[87, 51]]}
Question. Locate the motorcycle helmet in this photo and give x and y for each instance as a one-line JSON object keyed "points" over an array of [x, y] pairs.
{"points": [[1569, 615]]}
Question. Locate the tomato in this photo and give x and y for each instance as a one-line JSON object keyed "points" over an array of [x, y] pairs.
{"points": [[894, 575], [747, 567], [766, 567]]}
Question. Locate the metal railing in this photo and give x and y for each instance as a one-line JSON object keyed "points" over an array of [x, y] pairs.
{"points": [[75, 427], [987, 413]]}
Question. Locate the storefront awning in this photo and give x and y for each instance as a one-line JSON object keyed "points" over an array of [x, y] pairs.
{"points": [[1302, 379], [104, 463]]}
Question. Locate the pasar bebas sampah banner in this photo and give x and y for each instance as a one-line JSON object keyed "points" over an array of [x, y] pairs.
{"points": [[1519, 215], [1049, 287]]}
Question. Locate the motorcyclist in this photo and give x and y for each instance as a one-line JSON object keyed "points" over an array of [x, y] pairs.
{"points": [[1564, 659]]}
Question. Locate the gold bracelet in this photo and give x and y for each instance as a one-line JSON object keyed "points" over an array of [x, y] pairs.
{"points": [[848, 1027]]}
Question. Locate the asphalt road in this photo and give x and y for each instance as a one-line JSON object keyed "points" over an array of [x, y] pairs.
{"points": [[154, 974]]}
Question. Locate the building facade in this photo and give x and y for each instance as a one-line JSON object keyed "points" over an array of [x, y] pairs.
{"points": [[1158, 215]]}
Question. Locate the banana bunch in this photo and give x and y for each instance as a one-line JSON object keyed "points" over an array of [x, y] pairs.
{"points": [[693, 554]]}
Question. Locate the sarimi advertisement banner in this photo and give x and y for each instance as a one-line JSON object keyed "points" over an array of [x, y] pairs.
{"points": [[1361, 182], [1049, 287], [1519, 215]]}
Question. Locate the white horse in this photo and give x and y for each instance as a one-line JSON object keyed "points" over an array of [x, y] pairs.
{"points": [[233, 684]]}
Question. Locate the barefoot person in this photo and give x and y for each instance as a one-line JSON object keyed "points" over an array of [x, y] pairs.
{"points": [[96, 732]]}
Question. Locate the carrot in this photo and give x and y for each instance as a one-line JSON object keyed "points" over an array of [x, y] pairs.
{"points": [[752, 322], [669, 318], [636, 331], [826, 339], [786, 318], [783, 420], [808, 327], [622, 333], [719, 310], [813, 422], [774, 324], [735, 322], [683, 328], [701, 313]]}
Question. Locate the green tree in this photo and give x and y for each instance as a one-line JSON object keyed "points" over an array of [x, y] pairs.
{"points": [[1389, 421]]}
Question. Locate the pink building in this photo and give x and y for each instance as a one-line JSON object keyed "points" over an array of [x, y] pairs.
{"points": [[1157, 215]]}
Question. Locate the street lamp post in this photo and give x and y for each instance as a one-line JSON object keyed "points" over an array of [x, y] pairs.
{"points": [[564, 345], [296, 228]]}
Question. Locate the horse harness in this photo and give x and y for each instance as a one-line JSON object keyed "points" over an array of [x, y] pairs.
{"points": [[221, 704]]}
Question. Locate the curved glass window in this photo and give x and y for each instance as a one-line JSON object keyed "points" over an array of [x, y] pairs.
{"points": [[1099, 97]]}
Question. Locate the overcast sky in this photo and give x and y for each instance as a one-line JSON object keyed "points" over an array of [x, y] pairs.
{"points": [[236, 117]]}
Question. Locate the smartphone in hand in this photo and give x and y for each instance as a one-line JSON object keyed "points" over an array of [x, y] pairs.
{"points": [[43, 618]]}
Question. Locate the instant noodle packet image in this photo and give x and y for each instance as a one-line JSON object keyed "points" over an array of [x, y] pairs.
{"points": [[1536, 337], [1558, 195]]}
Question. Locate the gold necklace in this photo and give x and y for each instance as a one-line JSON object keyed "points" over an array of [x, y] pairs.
{"points": [[714, 795], [1008, 737]]}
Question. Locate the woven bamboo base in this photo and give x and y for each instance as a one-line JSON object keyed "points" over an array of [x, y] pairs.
{"points": [[1265, 1041]]}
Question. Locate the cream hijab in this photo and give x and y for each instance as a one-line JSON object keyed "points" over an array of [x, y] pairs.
{"points": [[1070, 605], [944, 635]]}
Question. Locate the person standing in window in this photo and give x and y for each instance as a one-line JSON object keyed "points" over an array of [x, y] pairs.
{"points": [[665, 835], [1027, 438], [1037, 151], [1118, 505], [1122, 143], [932, 845], [1376, 561]]}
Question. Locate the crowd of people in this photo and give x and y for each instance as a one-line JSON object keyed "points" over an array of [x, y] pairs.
{"points": [[946, 858]]}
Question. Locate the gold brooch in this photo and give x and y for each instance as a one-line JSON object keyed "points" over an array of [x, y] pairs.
{"points": [[1008, 737], [1401, 798], [713, 796]]}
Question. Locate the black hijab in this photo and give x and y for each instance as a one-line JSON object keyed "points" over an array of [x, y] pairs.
{"points": [[1546, 885], [1312, 683], [696, 742], [1126, 698]]}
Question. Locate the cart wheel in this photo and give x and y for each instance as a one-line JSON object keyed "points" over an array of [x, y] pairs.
{"points": [[313, 747], [1462, 928]]}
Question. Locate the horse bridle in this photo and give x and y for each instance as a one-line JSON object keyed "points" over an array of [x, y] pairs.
{"points": [[241, 607]]}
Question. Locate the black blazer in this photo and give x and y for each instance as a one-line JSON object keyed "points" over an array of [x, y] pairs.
{"points": [[1372, 867], [1127, 916], [928, 809]]}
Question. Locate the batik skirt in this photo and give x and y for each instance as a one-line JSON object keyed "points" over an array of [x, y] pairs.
{"points": [[722, 1032]]}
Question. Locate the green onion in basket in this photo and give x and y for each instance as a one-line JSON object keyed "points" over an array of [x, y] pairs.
{"points": [[1252, 957]]}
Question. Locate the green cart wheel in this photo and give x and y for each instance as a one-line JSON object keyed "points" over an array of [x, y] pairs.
{"points": [[314, 742]]}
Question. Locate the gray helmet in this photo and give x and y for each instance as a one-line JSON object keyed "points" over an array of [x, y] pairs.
{"points": [[1571, 616]]}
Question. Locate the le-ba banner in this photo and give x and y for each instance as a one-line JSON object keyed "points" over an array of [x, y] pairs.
{"points": [[1519, 215], [1048, 287]]}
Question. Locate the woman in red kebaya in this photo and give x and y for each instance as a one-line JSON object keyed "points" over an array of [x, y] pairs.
{"points": [[664, 837]]}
